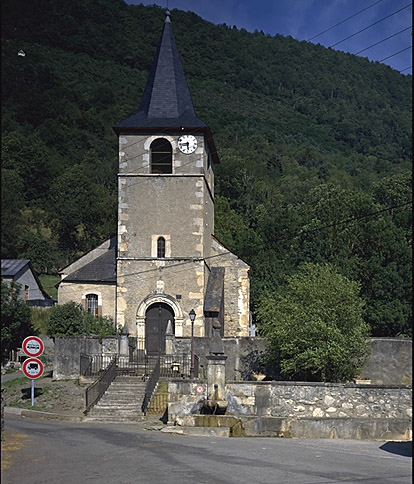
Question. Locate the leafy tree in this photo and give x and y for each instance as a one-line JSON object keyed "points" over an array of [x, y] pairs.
{"points": [[15, 318], [70, 319], [315, 328]]}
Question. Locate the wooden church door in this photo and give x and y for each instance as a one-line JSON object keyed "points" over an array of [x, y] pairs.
{"points": [[157, 317]]}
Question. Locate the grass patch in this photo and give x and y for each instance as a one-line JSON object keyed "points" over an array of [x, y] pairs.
{"points": [[14, 383], [48, 283]]}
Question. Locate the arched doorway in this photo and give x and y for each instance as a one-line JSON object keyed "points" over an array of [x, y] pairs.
{"points": [[156, 321]]}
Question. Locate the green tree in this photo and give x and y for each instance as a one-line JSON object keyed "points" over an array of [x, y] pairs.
{"points": [[315, 328], [15, 318]]}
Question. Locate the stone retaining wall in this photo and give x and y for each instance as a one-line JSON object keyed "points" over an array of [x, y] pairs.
{"points": [[299, 409], [287, 399]]}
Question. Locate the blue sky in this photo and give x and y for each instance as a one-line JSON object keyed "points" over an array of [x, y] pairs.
{"points": [[304, 19]]}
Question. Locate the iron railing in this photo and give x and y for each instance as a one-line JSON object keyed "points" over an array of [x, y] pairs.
{"points": [[95, 391], [150, 386], [94, 364]]}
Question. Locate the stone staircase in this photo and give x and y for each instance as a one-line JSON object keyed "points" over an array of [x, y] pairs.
{"points": [[121, 403]]}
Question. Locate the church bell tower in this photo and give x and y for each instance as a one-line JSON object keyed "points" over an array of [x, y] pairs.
{"points": [[165, 206]]}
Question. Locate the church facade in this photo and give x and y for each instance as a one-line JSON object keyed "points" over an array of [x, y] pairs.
{"points": [[164, 261]]}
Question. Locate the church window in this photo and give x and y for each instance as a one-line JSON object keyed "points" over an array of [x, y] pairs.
{"points": [[161, 156], [92, 304], [161, 247]]}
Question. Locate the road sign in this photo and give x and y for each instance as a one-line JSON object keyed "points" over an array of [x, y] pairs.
{"points": [[32, 368], [200, 389], [33, 346]]}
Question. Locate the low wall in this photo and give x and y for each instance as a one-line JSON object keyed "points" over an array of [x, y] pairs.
{"points": [[310, 410], [287, 399], [66, 362], [390, 361]]}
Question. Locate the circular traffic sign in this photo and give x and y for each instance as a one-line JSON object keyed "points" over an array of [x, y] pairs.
{"points": [[32, 368], [33, 346], [200, 389]]}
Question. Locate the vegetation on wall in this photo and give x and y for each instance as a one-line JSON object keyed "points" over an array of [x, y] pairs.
{"points": [[315, 145]]}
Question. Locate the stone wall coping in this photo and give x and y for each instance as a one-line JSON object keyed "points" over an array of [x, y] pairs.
{"points": [[316, 384]]}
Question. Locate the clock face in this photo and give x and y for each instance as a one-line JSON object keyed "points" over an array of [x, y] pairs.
{"points": [[187, 143]]}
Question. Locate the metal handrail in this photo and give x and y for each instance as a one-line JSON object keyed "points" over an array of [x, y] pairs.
{"points": [[95, 391], [86, 365], [150, 386]]}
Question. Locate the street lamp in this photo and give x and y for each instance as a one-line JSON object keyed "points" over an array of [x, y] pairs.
{"points": [[192, 315]]}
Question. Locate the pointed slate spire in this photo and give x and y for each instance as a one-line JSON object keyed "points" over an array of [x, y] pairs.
{"points": [[166, 102]]}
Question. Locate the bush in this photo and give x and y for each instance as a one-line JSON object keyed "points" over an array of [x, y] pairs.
{"points": [[315, 328], [70, 319]]}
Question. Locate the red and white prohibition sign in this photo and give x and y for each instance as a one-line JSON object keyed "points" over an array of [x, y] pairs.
{"points": [[33, 346], [32, 368]]}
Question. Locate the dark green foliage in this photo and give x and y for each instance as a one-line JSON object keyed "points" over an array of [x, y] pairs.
{"points": [[315, 326], [70, 319], [312, 142], [15, 318]]}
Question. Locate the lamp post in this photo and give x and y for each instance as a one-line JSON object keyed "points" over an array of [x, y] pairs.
{"points": [[192, 315]]}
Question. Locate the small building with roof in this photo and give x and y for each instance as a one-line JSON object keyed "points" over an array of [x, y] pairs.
{"points": [[21, 271]]}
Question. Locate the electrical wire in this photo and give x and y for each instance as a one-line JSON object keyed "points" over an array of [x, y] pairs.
{"points": [[383, 40], [396, 53], [369, 26], [343, 21], [300, 234]]}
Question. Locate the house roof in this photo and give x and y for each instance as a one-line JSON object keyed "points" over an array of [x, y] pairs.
{"points": [[11, 267], [101, 269]]}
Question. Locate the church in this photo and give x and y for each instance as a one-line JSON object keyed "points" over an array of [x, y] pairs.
{"points": [[165, 262]]}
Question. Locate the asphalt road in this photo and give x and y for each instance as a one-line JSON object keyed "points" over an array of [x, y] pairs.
{"points": [[44, 452]]}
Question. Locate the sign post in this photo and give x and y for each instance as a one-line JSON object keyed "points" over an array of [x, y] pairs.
{"points": [[32, 367]]}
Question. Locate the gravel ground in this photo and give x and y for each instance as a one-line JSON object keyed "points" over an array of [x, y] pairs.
{"points": [[65, 397]]}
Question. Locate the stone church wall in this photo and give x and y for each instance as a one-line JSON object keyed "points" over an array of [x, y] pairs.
{"points": [[74, 291]]}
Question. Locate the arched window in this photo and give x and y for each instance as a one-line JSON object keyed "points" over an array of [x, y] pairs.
{"points": [[161, 247], [92, 304], [161, 156]]}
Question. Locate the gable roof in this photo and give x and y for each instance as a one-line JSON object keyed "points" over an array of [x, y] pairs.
{"points": [[101, 269], [11, 267]]}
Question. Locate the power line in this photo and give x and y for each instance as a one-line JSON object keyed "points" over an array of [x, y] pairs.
{"points": [[406, 69], [396, 53], [304, 232], [381, 41], [343, 21], [369, 26], [354, 219]]}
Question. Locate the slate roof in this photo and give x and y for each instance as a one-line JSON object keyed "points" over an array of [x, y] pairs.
{"points": [[102, 269], [166, 102], [214, 293], [11, 267]]}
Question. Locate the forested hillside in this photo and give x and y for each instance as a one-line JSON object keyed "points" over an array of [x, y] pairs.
{"points": [[315, 144]]}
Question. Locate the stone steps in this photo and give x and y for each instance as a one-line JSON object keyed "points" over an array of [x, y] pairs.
{"points": [[121, 403]]}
